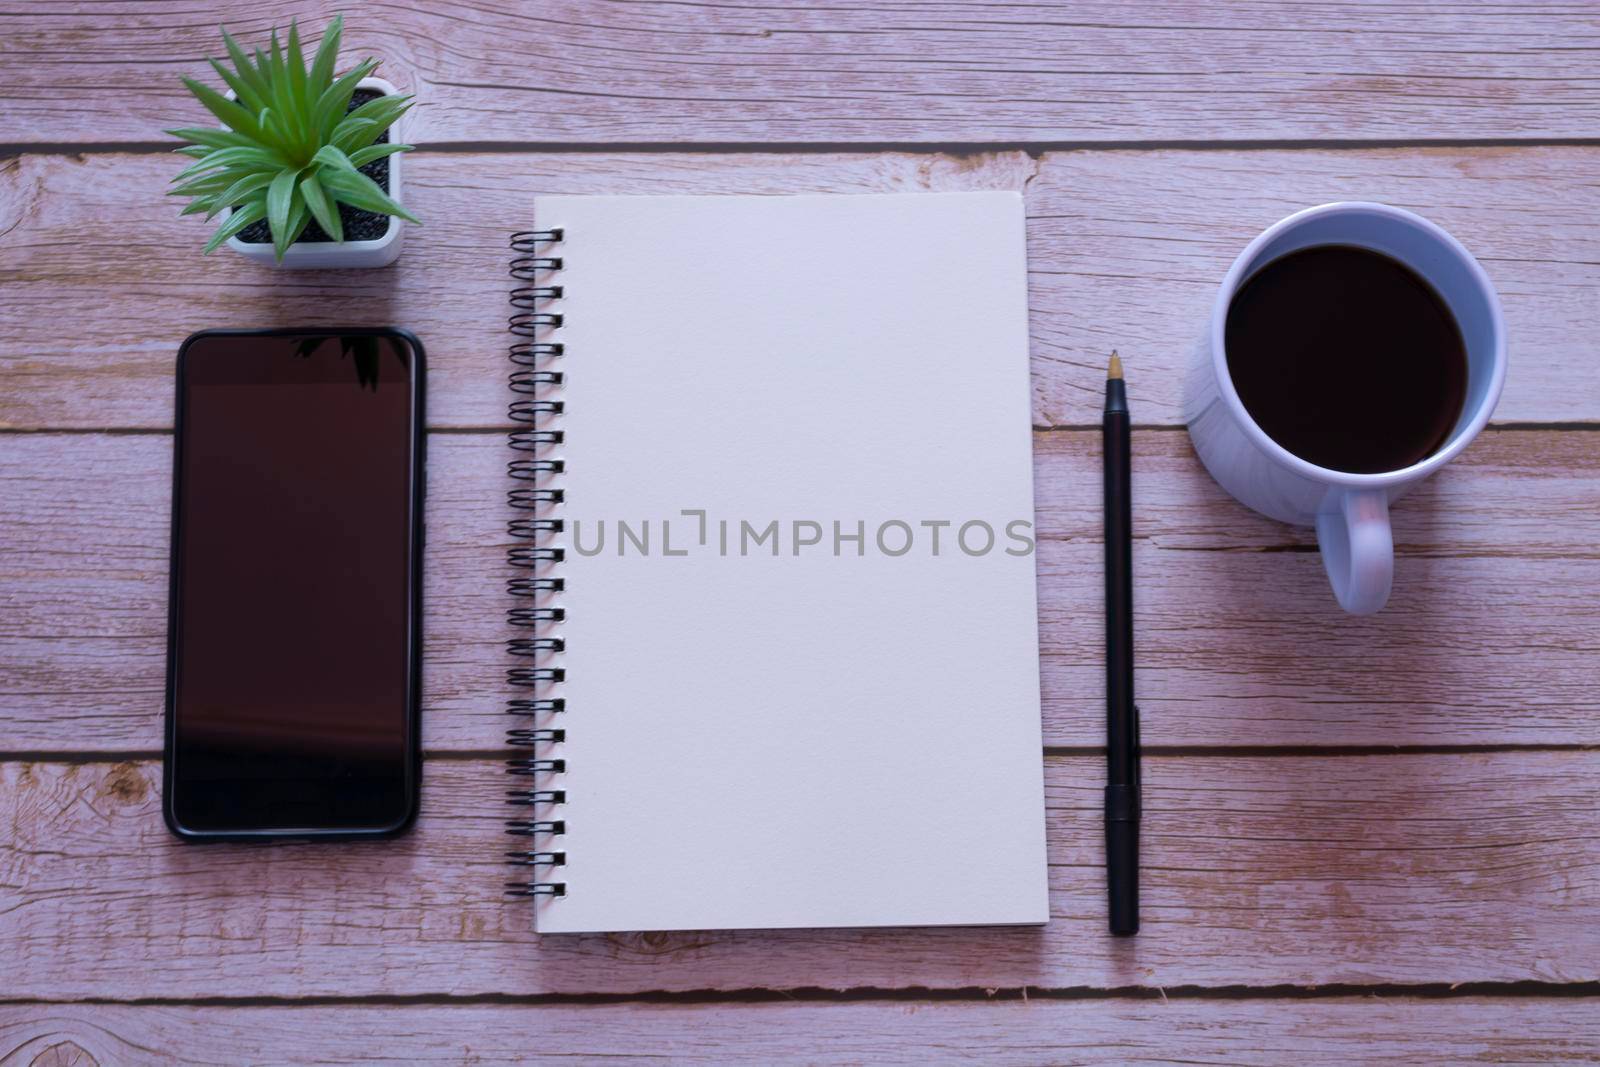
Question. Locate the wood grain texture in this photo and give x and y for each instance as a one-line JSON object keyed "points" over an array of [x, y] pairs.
{"points": [[1257, 871], [587, 72], [1417, 868], [1336, 1031], [1125, 251], [1240, 641]]}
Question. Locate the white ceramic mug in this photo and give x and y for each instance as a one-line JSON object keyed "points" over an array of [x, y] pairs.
{"points": [[1350, 511]]}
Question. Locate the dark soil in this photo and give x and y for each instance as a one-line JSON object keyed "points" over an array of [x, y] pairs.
{"points": [[359, 224]]}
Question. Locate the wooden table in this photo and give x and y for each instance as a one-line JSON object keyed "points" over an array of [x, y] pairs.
{"points": [[1366, 838]]}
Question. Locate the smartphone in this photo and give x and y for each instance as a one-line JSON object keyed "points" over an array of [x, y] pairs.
{"points": [[294, 641]]}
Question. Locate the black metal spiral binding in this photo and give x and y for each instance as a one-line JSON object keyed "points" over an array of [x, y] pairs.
{"points": [[532, 498]]}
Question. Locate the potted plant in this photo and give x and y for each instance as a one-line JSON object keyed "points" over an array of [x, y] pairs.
{"points": [[303, 165]]}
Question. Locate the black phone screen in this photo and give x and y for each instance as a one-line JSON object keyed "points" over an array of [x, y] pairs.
{"points": [[293, 646]]}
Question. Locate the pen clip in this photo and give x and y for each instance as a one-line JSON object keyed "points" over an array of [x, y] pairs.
{"points": [[1138, 766]]}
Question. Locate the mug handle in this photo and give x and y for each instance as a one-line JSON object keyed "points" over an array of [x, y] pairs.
{"points": [[1358, 549]]}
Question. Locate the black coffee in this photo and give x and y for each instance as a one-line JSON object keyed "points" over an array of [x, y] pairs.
{"points": [[1347, 358]]}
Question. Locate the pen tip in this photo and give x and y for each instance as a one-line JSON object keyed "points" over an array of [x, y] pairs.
{"points": [[1114, 370]]}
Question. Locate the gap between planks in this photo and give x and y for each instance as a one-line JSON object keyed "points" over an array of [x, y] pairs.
{"points": [[955, 149], [1422, 991], [1242, 752], [489, 431]]}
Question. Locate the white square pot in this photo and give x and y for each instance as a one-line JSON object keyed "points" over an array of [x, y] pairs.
{"points": [[311, 255]]}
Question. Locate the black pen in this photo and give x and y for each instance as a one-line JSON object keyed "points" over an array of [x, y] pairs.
{"points": [[1122, 716]]}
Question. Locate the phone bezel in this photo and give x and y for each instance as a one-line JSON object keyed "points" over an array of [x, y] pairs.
{"points": [[413, 718]]}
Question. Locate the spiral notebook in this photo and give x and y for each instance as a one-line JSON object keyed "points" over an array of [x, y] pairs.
{"points": [[775, 649]]}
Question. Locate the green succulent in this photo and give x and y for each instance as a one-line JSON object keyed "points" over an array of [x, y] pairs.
{"points": [[289, 152]]}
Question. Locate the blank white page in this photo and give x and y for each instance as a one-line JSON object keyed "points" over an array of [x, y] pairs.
{"points": [[775, 735]]}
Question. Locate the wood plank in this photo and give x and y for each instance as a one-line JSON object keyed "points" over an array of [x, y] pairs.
{"points": [[815, 71], [1240, 640], [1126, 250], [1257, 871], [1336, 1031]]}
